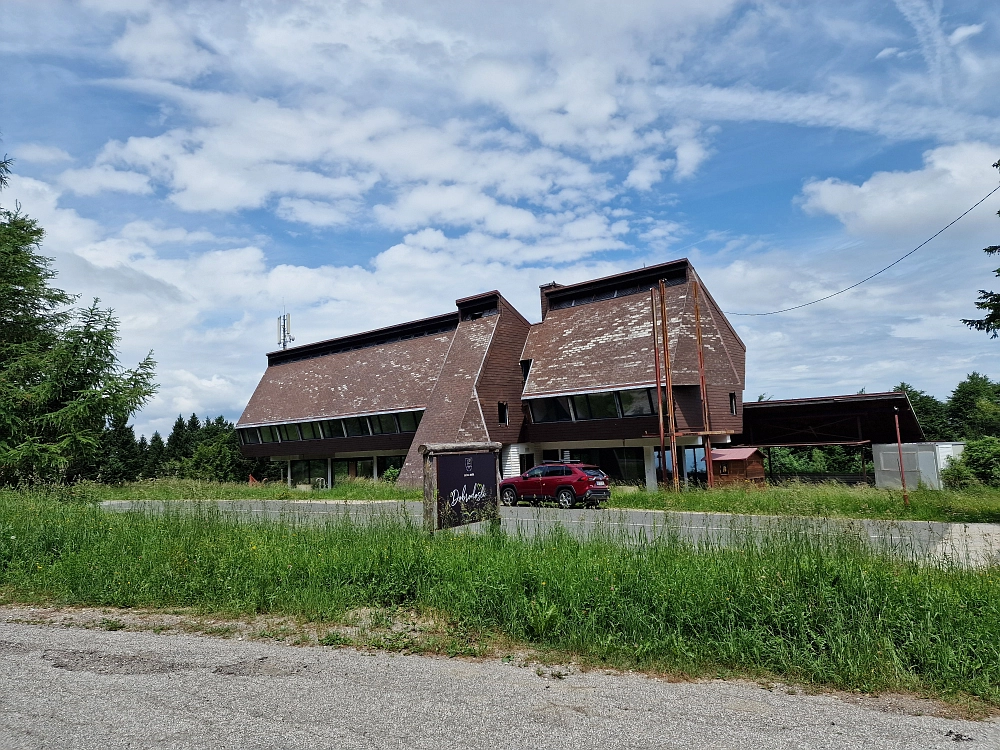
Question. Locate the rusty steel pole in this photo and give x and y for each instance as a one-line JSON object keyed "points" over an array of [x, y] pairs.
{"points": [[671, 418], [706, 439], [659, 391], [902, 473]]}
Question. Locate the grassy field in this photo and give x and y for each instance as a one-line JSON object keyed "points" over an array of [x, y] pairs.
{"points": [[977, 505], [192, 489], [826, 611]]}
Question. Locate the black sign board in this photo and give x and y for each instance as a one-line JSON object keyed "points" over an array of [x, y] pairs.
{"points": [[467, 488]]}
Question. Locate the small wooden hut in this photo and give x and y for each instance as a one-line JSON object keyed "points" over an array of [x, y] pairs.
{"points": [[737, 466]]}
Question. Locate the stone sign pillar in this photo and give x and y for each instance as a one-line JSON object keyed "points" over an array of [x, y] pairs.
{"points": [[460, 484]]}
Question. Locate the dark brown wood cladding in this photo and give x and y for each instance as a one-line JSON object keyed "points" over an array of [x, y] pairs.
{"points": [[595, 429], [330, 446]]}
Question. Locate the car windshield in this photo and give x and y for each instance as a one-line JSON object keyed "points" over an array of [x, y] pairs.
{"points": [[593, 472]]}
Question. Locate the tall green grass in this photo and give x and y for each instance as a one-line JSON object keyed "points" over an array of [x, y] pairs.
{"points": [[824, 610], [193, 489], [980, 504], [830, 499]]}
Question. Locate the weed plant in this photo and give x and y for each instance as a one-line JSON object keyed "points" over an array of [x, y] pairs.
{"points": [[827, 610], [829, 499], [193, 489]]}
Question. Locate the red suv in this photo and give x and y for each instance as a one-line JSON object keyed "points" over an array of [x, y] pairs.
{"points": [[566, 483]]}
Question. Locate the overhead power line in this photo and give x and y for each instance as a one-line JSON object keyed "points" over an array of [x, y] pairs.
{"points": [[882, 270]]}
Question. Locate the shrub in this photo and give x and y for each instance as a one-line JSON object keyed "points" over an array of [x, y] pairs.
{"points": [[982, 457], [390, 475], [958, 476]]}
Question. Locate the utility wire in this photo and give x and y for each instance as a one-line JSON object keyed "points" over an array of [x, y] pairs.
{"points": [[869, 278]]}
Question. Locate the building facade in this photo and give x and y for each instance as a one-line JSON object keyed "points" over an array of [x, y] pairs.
{"points": [[580, 384]]}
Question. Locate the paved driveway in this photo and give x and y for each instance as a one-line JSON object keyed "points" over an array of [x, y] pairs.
{"points": [[73, 688]]}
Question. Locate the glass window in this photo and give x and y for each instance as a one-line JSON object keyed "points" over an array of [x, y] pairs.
{"points": [[408, 420], [269, 434], [535, 472], [389, 462], [602, 406], [288, 432], [550, 409], [309, 430], [636, 403], [333, 428], [250, 436], [581, 407], [309, 472], [341, 471], [383, 424], [365, 468], [527, 460], [356, 426]]}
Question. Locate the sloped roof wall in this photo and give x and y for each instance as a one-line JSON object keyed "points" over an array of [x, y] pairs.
{"points": [[392, 377], [608, 345]]}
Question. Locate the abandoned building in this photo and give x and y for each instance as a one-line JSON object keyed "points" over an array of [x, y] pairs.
{"points": [[579, 385]]}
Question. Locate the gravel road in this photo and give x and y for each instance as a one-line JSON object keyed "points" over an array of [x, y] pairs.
{"points": [[69, 687]]}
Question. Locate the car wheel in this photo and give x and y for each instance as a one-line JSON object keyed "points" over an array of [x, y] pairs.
{"points": [[508, 496], [565, 498]]}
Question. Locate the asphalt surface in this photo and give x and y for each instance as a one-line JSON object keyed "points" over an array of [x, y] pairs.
{"points": [[976, 544], [75, 688]]}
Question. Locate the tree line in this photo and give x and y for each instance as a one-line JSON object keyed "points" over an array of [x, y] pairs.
{"points": [[194, 449]]}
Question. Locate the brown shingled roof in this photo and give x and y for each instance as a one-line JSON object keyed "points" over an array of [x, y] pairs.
{"points": [[608, 345], [392, 377]]}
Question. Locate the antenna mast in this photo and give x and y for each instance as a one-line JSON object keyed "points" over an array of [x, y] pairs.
{"points": [[285, 330]]}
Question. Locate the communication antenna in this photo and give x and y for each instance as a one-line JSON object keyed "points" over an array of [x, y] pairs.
{"points": [[285, 330]]}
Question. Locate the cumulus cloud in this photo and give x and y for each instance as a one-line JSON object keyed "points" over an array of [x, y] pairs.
{"points": [[104, 178], [433, 150], [909, 203], [41, 154]]}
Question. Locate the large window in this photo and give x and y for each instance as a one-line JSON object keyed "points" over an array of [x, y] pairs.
{"points": [[288, 432], [356, 426], [378, 424], [637, 403], [249, 436], [383, 424], [550, 410], [333, 428], [309, 472], [409, 420], [382, 463], [595, 406]]}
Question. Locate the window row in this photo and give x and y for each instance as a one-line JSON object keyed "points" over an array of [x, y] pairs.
{"points": [[638, 402], [379, 424]]}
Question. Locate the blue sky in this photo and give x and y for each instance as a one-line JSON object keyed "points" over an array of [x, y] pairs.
{"points": [[199, 165]]}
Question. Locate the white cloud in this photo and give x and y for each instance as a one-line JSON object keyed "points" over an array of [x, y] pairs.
{"points": [[165, 46], [962, 33], [317, 213], [648, 170], [513, 143], [41, 154], [104, 178], [908, 204]]}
